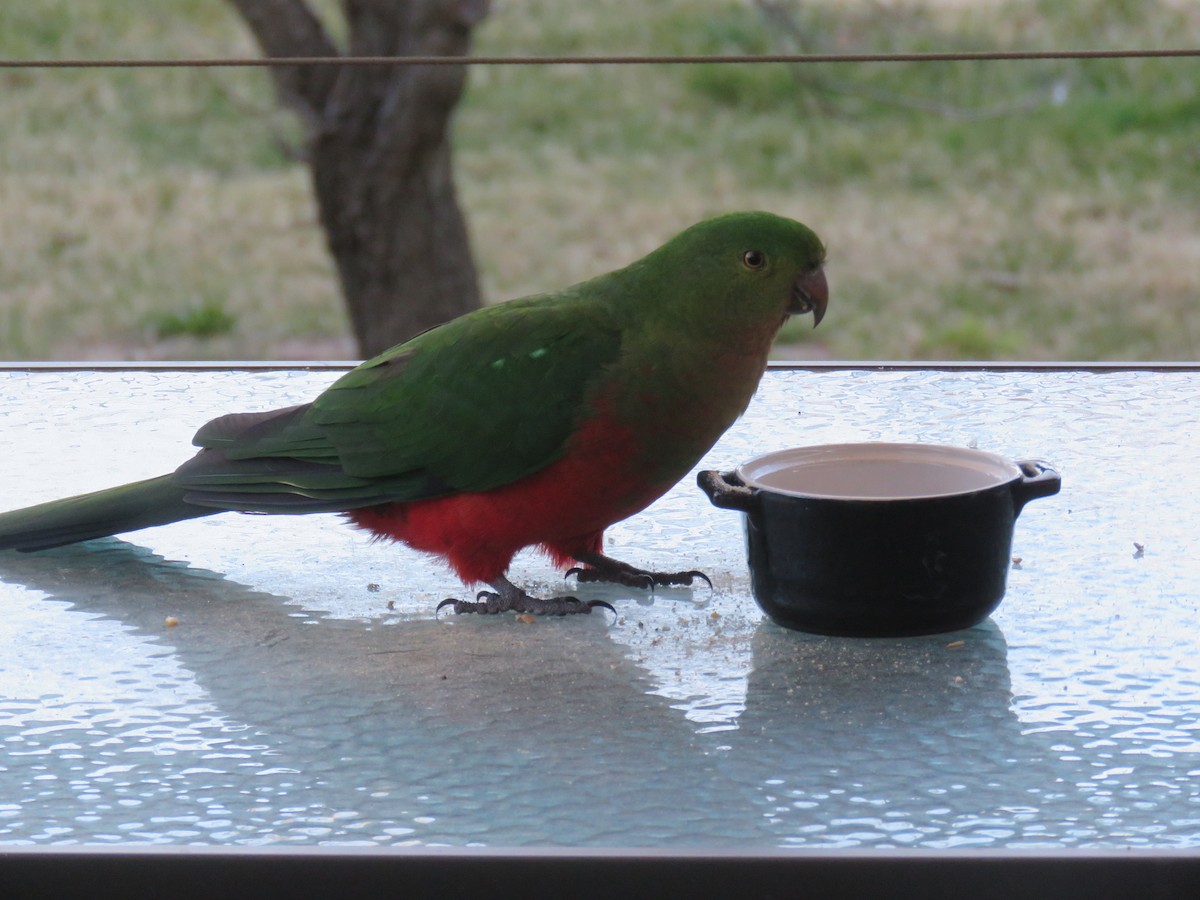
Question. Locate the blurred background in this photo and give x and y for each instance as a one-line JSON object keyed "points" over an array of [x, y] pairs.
{"points": [[1023, 210]]}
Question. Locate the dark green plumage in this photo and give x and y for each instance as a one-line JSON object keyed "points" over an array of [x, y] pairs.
{"points": [[130, 507], [420, 420]]}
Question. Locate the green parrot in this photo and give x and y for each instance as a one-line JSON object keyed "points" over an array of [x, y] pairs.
{"points": [[536, 422]]}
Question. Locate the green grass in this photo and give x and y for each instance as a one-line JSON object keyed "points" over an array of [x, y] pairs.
{"points": [[1025, 210], [207, 320]]}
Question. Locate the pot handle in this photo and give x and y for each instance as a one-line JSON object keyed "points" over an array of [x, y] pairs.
{"points": [[1038, 479], [726, 490]]}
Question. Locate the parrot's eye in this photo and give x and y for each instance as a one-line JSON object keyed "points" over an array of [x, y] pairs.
{"points": [[754, 259]]}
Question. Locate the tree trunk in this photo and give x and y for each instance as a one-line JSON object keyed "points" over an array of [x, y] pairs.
{"points": [[379, 155]]}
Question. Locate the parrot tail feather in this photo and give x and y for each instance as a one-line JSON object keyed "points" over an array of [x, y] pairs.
{"points": [[130, 507]]}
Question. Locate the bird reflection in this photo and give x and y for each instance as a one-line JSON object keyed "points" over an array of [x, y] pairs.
{"points": [[430, 731]]}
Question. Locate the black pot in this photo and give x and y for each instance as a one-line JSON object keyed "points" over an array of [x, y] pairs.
{"points": [[879, 539]]}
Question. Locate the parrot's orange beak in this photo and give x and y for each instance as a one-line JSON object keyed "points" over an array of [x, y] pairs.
{"points": [[810, 294]]}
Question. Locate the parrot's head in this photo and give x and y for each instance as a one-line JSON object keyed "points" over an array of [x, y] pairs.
{"points": [[747, 270]]}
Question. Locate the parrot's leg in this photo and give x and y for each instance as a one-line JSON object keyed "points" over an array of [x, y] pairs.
{"points": [[507, 597], [605, 568]]}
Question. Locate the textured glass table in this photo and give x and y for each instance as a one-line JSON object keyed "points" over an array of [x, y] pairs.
{"points": [[273, 682]]}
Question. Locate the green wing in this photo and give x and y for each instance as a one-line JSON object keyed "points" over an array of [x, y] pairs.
{"points": [[479, 402]]}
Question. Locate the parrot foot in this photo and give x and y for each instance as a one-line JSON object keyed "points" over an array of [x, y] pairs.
{"points": [[605, 568], [507, 597]]}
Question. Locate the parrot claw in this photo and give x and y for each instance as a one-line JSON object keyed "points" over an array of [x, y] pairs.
{"points": [[634, 579], [603, 568], [507, 597]]}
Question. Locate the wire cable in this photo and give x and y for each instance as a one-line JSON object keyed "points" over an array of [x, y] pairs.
{"points": [[620, 60]]}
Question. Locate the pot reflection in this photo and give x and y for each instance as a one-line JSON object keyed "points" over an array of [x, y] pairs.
{"points": [[898, 741]]}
